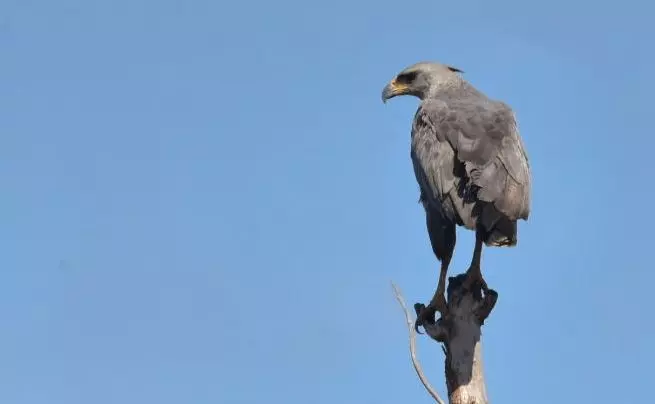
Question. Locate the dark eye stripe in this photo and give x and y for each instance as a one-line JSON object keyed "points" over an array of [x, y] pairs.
{"points": [[406, 78]]}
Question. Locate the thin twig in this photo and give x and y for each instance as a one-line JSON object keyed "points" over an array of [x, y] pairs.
{"points": [[412, 346]]}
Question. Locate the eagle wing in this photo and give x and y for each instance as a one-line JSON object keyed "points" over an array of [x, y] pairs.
{"points": [[481, 134]]}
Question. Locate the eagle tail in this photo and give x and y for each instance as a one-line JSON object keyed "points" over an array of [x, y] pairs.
{"points": [[503, 234], [500, 231]]}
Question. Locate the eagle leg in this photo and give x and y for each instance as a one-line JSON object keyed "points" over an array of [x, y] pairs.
{"points": [[425, 315], [474, 273]]}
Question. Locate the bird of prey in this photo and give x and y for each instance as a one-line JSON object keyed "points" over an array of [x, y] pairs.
{"points": [[470, 164]]}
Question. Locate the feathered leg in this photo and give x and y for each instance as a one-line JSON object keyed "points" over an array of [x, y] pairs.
{"points": [[442, 239]]}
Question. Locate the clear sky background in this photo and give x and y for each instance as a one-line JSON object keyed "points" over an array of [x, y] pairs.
{"points": [[205, 201]]}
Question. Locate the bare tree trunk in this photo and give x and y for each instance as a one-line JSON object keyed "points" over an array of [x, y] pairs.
{"points": [[460, 333]]}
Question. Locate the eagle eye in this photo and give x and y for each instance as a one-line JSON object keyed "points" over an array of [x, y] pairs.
{"points": [[406, 78]]}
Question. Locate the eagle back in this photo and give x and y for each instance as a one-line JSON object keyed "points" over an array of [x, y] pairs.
{"points": [[475, 140]]}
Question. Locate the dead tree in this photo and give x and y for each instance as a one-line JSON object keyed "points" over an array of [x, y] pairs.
{"points": [[460, 333]]}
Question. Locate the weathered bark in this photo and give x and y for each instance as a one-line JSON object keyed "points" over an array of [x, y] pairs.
{"points": [[460, 332]]}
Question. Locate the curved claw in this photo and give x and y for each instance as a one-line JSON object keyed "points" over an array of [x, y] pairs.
{"points": [[423, 315], [475, 280], [417, 324], [484, 286], [418, 308]]}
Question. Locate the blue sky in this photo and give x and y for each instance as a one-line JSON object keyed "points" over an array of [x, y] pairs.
{"points": [[205, 202]]}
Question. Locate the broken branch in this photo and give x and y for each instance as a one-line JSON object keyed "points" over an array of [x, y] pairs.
{"points": [[412, 346]]}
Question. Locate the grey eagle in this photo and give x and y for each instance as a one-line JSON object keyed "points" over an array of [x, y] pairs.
{"points": [[470, 165]]}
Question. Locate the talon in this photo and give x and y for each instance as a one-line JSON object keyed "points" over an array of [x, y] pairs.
{"points": [[473, 278], [439, 303], [418, 308], [424, 315], [483, 285]]}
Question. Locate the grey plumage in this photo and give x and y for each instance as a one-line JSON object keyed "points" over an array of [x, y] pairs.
{"points": [[469, 161]]}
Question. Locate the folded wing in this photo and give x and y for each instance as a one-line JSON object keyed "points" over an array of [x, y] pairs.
{"points": [[481, 134]]}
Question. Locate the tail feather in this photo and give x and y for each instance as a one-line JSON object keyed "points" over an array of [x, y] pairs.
{"points": [[502, 236], [499, 230]]}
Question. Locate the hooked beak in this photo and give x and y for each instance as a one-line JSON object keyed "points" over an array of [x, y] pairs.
{"points": [[393, 89]]}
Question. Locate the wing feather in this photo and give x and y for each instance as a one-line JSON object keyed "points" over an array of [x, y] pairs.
{"points": [[432, 158], [483, 135]]}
